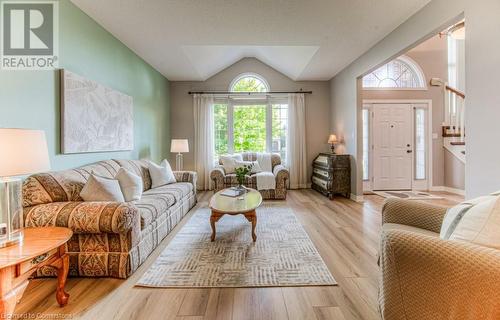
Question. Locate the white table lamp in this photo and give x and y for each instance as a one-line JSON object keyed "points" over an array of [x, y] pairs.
{"points": [[23, 151], [179, 146], [332, 140]]}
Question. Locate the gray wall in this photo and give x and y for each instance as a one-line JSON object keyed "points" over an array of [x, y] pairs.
{"points": [[482, 59], [482, 51], [317, 104], [431, 56]]}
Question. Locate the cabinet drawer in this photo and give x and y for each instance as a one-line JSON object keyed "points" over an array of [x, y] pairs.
{"points": [[322, 172], [28, 265], [322, 183]]}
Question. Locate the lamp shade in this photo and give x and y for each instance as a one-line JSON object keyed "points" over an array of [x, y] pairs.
{"points": [[23, 151], [179, 145], [332, 139]]}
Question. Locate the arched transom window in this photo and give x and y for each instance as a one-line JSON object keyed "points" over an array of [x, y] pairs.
{"points": [[400, 73], [249, 82]]}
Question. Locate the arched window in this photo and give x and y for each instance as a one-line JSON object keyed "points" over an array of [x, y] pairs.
{"points": [[249, 82], [400, 73]]}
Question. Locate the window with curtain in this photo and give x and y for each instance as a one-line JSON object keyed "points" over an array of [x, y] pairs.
{"points": [[250, 123]]}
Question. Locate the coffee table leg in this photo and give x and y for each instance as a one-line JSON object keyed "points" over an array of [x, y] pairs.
{"points": [[252, 217], [62, 274], [214, 217]]}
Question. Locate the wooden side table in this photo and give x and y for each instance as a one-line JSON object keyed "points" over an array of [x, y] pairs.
{"points": [[41, 247]]}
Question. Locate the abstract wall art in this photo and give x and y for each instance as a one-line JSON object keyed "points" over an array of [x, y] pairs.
{"points": [[94, 118]]}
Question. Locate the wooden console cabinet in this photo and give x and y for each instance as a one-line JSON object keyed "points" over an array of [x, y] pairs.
{"points": [[332, 174]]}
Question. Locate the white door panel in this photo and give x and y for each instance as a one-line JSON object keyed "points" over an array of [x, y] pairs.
{"points": [[392, 138]]}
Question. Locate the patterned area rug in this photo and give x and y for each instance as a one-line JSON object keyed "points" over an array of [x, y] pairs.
{"points": [[282, 256], [408, 195]]}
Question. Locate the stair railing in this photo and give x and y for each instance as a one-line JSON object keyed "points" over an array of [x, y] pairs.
{"points": [[454, 108]]}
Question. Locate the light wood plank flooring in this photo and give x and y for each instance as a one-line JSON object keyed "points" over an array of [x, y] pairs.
{"points": [[345, 233]]}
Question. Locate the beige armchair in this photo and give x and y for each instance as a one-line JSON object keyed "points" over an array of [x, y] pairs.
{"points": [[425, 277], [222, 180]]}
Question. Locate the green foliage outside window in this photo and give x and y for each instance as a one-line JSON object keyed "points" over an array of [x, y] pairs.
{"points": [[220, 126], [249, 123], [249, 128], [249, 84]]}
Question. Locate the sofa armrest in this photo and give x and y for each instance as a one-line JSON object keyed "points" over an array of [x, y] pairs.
{"points": [[186, 176], [425, 277], [413, 213], [217, 176], [85, 217], [281, 173]]}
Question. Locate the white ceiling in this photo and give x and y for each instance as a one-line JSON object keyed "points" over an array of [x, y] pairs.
{"points": [[195, 39]]}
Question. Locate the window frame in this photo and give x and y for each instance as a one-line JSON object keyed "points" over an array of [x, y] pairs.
{"points": [[249, 75], [231, 102], [414, 68]]}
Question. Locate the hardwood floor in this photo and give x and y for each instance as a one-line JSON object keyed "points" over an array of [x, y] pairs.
{"points": [[344, 232]]}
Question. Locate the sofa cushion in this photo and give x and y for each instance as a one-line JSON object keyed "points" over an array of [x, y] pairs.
{"points": [[65, 185], [481, 223], [153, 204], [157, 201], [395, 226]]}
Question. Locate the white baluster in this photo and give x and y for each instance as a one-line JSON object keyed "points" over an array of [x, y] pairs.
{"points": [[462, 119], [459, 112], [447, 119], [453, 112]]}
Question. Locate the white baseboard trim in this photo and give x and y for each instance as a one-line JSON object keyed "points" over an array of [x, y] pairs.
{"points": [[448, 189], [356, 198]]}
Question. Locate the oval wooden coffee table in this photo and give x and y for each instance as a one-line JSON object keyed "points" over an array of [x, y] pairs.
{"points": [[244, 204], [41, 247]]}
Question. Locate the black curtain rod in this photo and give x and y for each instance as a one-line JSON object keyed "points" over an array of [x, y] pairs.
{"points": [[247, 93]]}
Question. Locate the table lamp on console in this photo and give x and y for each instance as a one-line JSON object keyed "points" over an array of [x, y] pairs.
{"points": [[179, 146], [22, 152], [332, 140]]}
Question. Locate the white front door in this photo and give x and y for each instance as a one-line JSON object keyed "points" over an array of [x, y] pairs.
{"points": [[392, 146]]}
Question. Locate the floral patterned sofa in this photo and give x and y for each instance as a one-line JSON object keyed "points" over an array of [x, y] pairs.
{"points": [[222, 180], [109, 239]]}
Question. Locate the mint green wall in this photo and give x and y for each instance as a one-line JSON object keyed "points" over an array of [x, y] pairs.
{"points": [[30, 99]]}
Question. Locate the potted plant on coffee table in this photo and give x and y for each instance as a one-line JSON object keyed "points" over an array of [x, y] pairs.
{"points": [[241, 172]]}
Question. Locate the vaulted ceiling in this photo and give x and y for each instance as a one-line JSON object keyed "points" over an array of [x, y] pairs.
{"points": [[195, 39]]}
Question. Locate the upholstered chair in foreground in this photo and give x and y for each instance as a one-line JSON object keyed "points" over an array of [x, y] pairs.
{"points": [[424, 276]]}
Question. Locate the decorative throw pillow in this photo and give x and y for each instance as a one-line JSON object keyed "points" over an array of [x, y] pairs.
{"points": [[455, 214], [451, 219], [229, 162], [255, 165], [130, 184], [101, 189], [161, 174], [481, 223]]}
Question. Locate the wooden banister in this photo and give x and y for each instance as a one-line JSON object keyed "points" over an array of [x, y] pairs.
{"points": [[458, 93]]}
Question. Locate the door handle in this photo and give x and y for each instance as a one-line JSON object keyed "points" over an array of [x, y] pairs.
{"points": [[409, 151]]}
